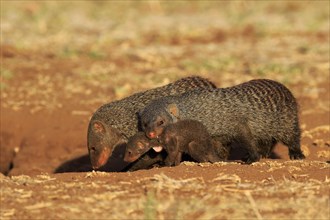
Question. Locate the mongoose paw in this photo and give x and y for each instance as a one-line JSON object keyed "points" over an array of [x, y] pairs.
{"points": [[297, 156], [168, 163], [249, 159]]}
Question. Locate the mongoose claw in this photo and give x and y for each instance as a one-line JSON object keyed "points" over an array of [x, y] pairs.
{"points": [[251, 159], [297, 156]]}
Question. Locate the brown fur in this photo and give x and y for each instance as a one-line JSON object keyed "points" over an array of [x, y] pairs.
{"points": [[190, 137]]}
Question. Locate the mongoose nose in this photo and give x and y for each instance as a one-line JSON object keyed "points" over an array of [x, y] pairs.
{"points": [[152, 134]]}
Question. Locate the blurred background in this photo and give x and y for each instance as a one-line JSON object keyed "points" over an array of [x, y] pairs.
{"points": [[120, 47]]}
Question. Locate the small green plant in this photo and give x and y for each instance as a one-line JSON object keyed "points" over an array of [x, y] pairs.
{"points": [[68, 52], [216, 64], [3, 85], [150, 207], [96, 54], [6, 74], [287, 70]]}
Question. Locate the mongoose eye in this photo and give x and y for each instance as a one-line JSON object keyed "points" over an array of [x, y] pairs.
{"points": [[161, 122]]}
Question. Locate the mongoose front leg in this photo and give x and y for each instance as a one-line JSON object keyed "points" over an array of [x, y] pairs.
{"points": [[172, 149], [170, 159], [178, 159]]}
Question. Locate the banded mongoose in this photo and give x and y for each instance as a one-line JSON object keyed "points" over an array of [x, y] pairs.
{"points": [[113, 123], [256, 114]]}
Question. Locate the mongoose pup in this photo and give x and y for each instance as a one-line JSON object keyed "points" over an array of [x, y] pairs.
{"points": [[138, 145], [148, 160], [190, 137], [256, 114], [113, 123], [186, 136]]}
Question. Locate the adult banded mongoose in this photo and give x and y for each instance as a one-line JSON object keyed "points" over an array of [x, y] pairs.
{"points": [[113, 123], [256, 114]]}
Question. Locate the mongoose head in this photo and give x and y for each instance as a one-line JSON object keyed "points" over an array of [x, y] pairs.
{"points": [[156, 116], [138, 145], [101, 141]]}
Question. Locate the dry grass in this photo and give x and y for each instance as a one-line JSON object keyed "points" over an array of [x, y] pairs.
{"points": [[107, 55], [162, 197]]}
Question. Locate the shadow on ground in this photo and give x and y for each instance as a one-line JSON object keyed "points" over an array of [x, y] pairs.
{"points": [[83, 164], [116, 163]]}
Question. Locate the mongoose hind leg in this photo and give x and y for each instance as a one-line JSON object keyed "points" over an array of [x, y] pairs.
{"points": [[265, 147], [196, 151], [248, 141], [297, 155], [293, 143], [295, 152], [221, 148]]}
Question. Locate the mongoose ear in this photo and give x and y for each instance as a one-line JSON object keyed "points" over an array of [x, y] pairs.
{"points": [[173, 110], [139, 145], [98, 127]]}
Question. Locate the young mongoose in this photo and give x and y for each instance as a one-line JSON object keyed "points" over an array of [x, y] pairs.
{"points": [[256, 114], [190, 137], [148, 160], [186, 136], [113, 123], [138, 145]]}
